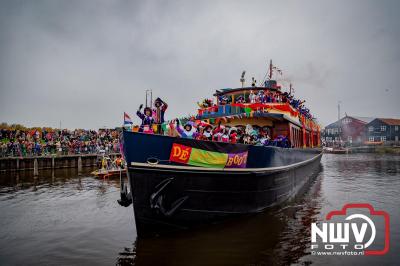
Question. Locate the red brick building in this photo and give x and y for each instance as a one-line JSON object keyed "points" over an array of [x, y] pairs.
{"points": [[350, 130]]}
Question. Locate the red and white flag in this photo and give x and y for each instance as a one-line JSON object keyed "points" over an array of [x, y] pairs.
{"points": [[127, 119]]}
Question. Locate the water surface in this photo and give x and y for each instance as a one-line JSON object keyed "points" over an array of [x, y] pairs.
{"points": [[62, 218]]}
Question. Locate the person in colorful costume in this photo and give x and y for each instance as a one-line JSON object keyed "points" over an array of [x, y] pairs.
{"points": [[158, 113], [119, 162], [147, 120], [250, 130], [252, 97], [261, 97], [223, 100], [240, 99], [233, 135], [187, 132], [217, 132], [208, 133], [225, 135]]}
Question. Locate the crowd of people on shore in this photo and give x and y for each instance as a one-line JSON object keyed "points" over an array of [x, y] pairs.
{"points": [[36, 142]]}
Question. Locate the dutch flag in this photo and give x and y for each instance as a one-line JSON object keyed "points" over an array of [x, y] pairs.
{"points": [[127, 119]]}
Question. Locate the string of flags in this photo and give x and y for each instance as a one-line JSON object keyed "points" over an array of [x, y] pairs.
{"points": [[277, 70]]}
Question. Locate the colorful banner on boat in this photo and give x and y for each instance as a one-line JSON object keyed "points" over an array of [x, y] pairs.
{"points": [[199, 157]]}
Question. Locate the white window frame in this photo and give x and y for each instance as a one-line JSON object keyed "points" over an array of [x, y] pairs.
{"points": [[383, 138], [371, 139], [383, 128], [346, 121], [371, 128]]}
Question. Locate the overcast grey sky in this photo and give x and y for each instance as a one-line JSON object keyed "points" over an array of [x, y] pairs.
{"points": [[86, 62]]}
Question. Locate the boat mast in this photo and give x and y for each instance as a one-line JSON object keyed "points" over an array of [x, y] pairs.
{"points": [[340, 124], [270, 69], [268, 74], [242, 80], [149, 93]]}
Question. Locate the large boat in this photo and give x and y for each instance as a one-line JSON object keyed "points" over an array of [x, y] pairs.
{"points": [[180, 183]]}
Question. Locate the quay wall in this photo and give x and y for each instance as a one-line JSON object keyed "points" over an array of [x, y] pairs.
{"points": [[49, 162]]}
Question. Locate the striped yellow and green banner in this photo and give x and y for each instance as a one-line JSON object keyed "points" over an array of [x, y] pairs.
{"points": [[204, 158]]}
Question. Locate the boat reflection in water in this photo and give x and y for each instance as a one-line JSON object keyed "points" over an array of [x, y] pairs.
{"points": [[279, 236]]}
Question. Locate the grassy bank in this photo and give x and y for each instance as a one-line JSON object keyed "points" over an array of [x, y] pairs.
{"points": [[387, 149]]}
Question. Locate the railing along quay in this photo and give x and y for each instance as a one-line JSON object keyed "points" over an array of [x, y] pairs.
{"points": [[37, 163]]}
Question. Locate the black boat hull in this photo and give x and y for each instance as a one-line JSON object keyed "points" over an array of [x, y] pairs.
{"points": [[171, 197], [209, 197]]}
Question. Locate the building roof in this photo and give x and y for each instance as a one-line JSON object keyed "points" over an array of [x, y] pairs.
{"points": [[390, 121], [334, 124], [362, 118], [366, 120]]}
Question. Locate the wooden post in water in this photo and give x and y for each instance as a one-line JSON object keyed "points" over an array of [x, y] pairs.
{"points": [[35, 167], [17, 173], [53, 166], [79, 164]]}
